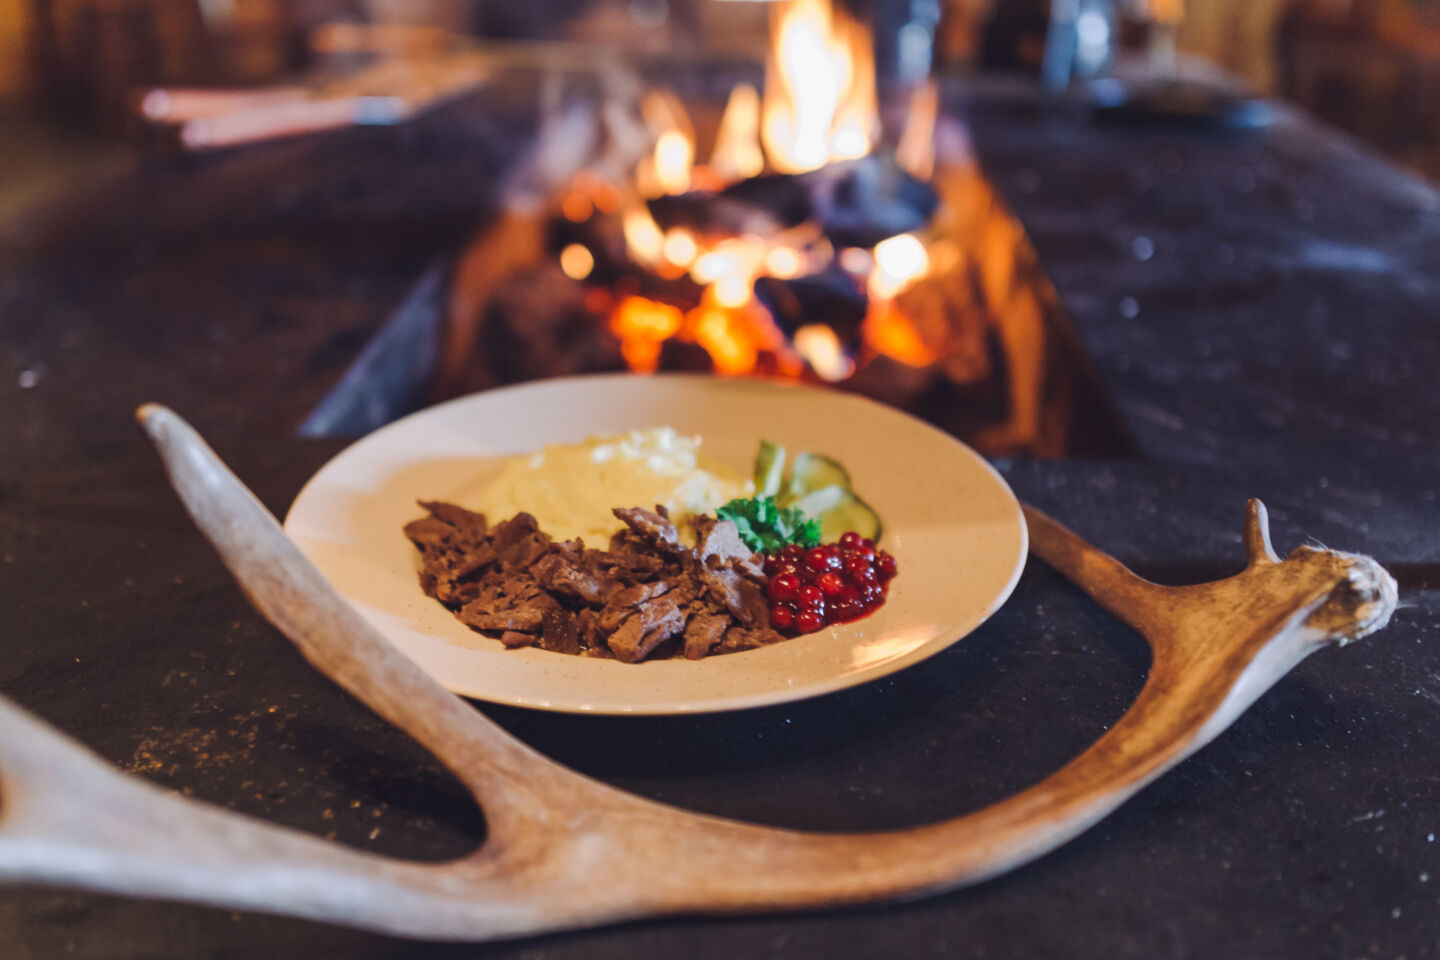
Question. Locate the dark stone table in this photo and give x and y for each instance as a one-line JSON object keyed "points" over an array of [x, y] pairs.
{"points": [[1263, 308]]}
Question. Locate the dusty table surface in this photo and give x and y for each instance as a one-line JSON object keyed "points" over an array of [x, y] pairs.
{"points": [[1262, 307]]}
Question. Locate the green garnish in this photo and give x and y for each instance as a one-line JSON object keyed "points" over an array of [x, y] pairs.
{"points": [[766, 528]]}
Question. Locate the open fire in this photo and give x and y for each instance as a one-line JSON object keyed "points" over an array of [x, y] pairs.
{"points": [[782, 235], [819, 108]]}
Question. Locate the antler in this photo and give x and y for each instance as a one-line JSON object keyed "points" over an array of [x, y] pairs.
{"points": [[565, 851]]}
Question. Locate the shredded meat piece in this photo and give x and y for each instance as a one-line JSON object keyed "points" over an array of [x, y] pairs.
{"points": [[573, 578], [743, 598], [653, 527], [703, 632], [514, 638], [560, 630], [721, 539], [515, 583], [743, 638]]}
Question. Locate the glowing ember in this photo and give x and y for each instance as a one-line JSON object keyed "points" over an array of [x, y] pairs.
{"points": [[733, 289], [577, 207], [576, 261], [734, 257], [606, 197], [898, 261], [737, 144], [820, 347], [819, 87], [679, 247]]}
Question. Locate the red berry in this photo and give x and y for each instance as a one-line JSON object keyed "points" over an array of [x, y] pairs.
{"points": [[856, 567], [843, 610], [885, 565], [867, 542], [830, 583], [809, 597], [783, 587], [818, 560], [851, 539], [772, 566], [864, 553], [808, 621], [793, 553], [781, 617]]}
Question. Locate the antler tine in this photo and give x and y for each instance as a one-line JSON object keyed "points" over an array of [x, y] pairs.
{"points": [[505, 774], [1257, 534]]}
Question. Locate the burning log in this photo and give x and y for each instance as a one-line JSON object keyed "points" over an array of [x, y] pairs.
{"points": [[536, 323], [949, 321], [831, 296], [861, 202], [856, 203]]}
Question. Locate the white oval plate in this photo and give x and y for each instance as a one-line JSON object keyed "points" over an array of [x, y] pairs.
{"points": [[951, 521]]}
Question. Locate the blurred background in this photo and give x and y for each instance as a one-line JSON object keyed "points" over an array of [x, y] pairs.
{"points": [[71, 70]]}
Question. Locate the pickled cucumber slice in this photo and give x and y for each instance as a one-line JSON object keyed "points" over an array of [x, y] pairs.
{"points": [[769, 468], [815, 471], [839, 511], [817, 503]]}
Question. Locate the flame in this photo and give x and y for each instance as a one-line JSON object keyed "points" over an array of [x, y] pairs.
{"points": [[819, 87], [737, 143], [732, 290], [856, 118], [890, 332], [915, 152], [819, 106], [820, 347], [723, 335], [735, 257], [674, 156], [783, 262], [680, 247], [730, 270], [898, 261], [643, 239], [642, 326], [668, 167]]}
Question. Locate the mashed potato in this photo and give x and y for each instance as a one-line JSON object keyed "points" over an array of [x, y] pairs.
{"points": [[571, 489]]}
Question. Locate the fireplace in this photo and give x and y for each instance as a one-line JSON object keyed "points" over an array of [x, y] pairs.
{"points": [[806, 227]]}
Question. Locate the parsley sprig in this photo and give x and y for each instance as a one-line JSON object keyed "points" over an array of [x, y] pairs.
{"points": [[766, 528]]}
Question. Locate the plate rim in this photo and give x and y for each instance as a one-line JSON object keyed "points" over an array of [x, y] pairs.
{"points": [[733, 702]]}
